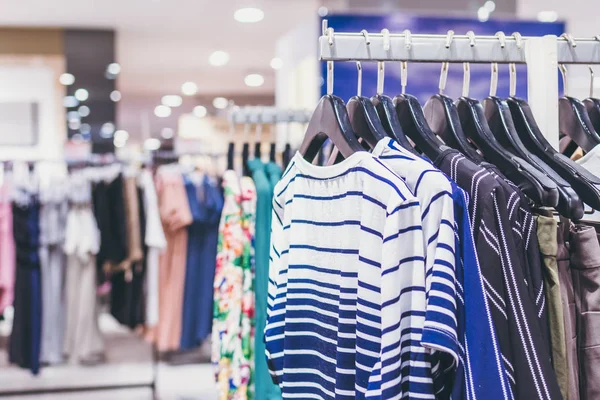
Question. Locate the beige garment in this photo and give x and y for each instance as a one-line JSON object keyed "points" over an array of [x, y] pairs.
{"points": [[176, 216]]}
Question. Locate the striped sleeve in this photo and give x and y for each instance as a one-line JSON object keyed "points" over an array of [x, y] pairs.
{"points": [[404, 368]]}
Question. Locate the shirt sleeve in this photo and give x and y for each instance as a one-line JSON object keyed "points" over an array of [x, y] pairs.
{"points": [[276, 299], [403, 369]]}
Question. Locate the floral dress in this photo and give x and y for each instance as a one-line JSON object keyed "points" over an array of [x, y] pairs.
{"points": [[233, 314]]}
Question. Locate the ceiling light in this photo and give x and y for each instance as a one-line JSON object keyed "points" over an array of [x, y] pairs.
{"points": [[83, 111], [218, 58], [490, 6], [220, 103], [119, 143], [67, 79], [70, 101], [113, 68], [73, 116], [249, 15], [323, 11], [107, 130], [167, 133], [276, 63], [254, 80], [189, 88], [200, 111], [162, 111], [81, 94], [172, 100], [483, 14], [74, 124], [85, 129], [115, 95], [121, 135], [152, 144], [547, 16], [77, 138]]}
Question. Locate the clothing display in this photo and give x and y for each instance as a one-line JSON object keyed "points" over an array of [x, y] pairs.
{"points": [[7, 247]]}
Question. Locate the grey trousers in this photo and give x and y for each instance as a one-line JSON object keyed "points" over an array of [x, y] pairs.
{"points": [[83, 339], [52, 261]]}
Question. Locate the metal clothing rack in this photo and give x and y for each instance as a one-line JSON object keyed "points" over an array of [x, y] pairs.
{"points": [[267, 115], [542, 55]]}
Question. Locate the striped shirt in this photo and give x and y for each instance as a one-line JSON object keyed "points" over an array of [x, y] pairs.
{"points": [[526, 357], [346, 301]]}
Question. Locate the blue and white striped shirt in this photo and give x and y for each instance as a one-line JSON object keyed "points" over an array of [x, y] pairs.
{"points": [[346, 302]]}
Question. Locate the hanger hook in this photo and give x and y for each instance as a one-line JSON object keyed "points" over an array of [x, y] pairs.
{"points": [[444, 76], [449, 38], [386, 39], [563, 74], [408, 39], [359, 82], [466, 79], [403, 75], [512, 67], [518, 39], [597, 37], [569, 38], [494, 79], [330, 36], [365, 33], [502, 37], [471, 36], [591, 81], [380, 77], [329, 77], [259, 123]]}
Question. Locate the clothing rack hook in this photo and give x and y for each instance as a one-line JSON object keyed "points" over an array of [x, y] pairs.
{"points": [[563, 74], [471, 36], [330, 36], [449, 37], [494, 80], [359, 83], [518, 39], [365, 33], [403, 75], [329, 77], [502, 37], [386, 39], [597, 37], [512, 67], [408, 39], [259, 124], [444, 76], [380, 77], [569, 38], [466, 79], [324, 25], [591, 81]]}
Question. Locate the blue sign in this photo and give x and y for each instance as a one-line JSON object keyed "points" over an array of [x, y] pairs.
{"points": [[423, 78]]}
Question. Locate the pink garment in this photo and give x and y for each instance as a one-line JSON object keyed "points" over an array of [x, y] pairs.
{"points": [[7, 250], [176, 216]]}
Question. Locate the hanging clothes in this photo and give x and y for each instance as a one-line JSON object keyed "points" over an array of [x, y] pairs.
{"points": [[155, 241], [7, 247], [176, 216], [265, 177], [206, 203], [25, 338], [83, 342], [53, 218]]}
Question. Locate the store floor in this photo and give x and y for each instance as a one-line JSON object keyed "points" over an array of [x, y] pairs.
{"points": [[129, 361]]}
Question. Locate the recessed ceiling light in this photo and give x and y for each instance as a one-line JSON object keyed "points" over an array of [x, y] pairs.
{"points": [[82, 94], [162, 111], [113, 68], [218, 58], [167, 133], [115, 96], [172, 100], [322, 11], [107, 130], [254, 80], [220, 103], [547, 16], [67, 79], [70, 101], [152, 144], [276, 63], [189, 88], [121, 135], [84, 111], [249, 15], [490, 6], [85, 129], [483, 14], [200, 111], [119, 143], [74, 124]]}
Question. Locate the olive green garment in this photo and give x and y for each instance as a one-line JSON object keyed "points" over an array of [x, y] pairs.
{"points": [[548, 242], [263, 175]]}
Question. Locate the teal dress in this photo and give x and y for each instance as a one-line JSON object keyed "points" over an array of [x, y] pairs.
{"points": [[265, 176]]}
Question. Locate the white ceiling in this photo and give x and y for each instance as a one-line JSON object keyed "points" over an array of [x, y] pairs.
{"points": [[163, 43]]}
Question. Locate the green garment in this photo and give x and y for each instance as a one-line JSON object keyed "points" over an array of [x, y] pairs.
{"points": [[265, 177]]}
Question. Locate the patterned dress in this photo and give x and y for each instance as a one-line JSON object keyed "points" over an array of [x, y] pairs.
{"points": [[233, 315]]}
